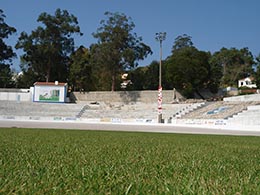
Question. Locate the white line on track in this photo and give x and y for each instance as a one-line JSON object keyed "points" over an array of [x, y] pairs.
{"points": [[131, 127]]}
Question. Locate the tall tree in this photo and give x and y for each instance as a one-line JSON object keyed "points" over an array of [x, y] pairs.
{"points": [[236, 64], [257, 74], [188, 70], [80, 76], [118, 48], [6, 52], [137, 76], [47, 49], [145, 78], [152, 76], [181, 42], [214, 76]]}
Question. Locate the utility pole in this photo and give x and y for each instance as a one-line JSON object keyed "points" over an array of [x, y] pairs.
{"points": [[161, 36]]}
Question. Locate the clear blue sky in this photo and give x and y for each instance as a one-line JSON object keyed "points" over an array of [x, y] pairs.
{"points": [[212, 24]]}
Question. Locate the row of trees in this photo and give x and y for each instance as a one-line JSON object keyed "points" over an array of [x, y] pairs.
{"points": [[6, 53], [50, 54], [190, 70]]}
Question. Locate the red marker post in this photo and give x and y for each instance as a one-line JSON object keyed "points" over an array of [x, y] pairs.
{"points": [[160, 104]]}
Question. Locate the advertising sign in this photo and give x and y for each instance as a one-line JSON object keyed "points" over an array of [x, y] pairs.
{"points": [[49, 92]]}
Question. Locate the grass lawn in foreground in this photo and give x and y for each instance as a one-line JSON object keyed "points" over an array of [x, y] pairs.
{"points": [[97, 162]]}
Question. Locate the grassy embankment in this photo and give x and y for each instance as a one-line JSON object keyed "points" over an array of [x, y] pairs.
{"points": [[92, 162]]}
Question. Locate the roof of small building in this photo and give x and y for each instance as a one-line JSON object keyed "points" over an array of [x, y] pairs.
{"points": [[49, 84], [247, 78]]}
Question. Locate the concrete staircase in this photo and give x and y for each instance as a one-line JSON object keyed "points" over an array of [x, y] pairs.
{"points": [[218, 110], [250, 116], [187, 108]]}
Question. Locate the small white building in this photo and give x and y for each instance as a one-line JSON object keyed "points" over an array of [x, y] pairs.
{"points": [[50, 92], [247, 82]]}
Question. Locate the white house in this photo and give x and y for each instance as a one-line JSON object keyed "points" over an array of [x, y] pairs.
{"points": [[50, 92], [247, 82]]}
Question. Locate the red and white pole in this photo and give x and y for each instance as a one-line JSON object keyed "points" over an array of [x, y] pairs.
{"points": [[160, 37], [160, 104], [160, 100]]}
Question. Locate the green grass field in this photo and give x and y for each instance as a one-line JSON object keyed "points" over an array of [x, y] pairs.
{"points": [[97, 162]]}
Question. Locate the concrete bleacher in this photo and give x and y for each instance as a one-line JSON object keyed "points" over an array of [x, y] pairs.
{"points": [[123, 105], [35, 109], [127, 104], [218, 110], [137, 106], [113, 105], [136, 110], [119, 110], [185, 108], [250, 116]]}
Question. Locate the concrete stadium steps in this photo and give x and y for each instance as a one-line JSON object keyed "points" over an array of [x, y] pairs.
{"points": [[120, 110], [237, 113], [135, 110], [90, 109], [218, 110], [131, 104], [183, 109], [251, 116], [13, 108]]}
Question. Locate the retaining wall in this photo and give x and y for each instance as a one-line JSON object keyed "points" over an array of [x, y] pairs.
{"points": [[244, 98], [126, 96], [15, 95]]}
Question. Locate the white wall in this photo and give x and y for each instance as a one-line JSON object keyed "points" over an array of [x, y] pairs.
{"points": [[244, 98], [15, 96]]}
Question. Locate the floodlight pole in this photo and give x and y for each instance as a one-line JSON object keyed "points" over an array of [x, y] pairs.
{"points": [[160, 37]]}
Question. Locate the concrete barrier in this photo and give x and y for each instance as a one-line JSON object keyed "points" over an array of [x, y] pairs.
{"points": [[15, 96], [127, 96], [244, 98]]}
